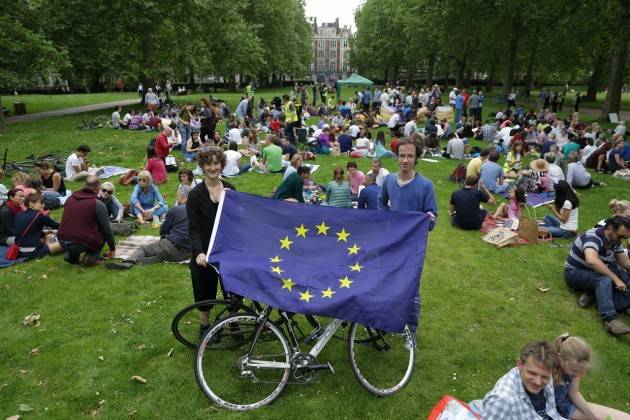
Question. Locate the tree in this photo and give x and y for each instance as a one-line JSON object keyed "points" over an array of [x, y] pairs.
{"points": [[612, 103]]}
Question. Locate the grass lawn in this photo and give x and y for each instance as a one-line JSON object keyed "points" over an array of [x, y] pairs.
{"points": [[480, 305]]}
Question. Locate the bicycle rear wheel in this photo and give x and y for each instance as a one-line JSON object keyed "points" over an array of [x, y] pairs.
{"points": [[101, 119], [382, 362], [185, 324], [220, 367]]}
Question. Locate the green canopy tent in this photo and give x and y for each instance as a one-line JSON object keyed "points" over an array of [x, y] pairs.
{"points": [[355, 80]]}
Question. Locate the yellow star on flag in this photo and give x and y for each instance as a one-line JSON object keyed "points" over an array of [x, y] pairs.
{"points": [[285, 243], [354, 249], [306, 296], [301, 231], [322, 229], [356, 267], [277, 270], [345, 282], [287, 284], [342, 236], [328, 293], [275, 259]]}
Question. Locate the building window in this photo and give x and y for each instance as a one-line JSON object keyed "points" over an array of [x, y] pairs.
{"points": [[333, 54], [320, 65], [320, 53], [345, 43], [332, 66], [320, 43]]}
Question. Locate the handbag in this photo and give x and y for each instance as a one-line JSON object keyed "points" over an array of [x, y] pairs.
{"points": [[14, 250], [528, 229]]}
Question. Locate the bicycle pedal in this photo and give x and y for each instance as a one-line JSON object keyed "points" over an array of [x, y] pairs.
{"points": [[321, 367]]}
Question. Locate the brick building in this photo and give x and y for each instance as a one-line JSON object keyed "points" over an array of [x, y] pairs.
{"points": [[330, 51]]}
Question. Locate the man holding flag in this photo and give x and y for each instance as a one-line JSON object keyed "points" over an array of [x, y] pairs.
{"points": [[409, 191]]}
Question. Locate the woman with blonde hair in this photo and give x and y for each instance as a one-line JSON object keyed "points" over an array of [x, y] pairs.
{"points": [[575, 358], [619, 207], [146, 200]]}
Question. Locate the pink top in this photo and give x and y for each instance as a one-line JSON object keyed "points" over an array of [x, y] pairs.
{"points": [[514, 210], [355, 181], [157, 169]]}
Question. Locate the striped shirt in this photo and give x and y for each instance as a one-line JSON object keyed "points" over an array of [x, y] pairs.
{"points": [[593, 238]]}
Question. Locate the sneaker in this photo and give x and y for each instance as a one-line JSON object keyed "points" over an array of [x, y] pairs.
{"points": [[585, 300], [617, 327], [122, 265], [90, 261]]}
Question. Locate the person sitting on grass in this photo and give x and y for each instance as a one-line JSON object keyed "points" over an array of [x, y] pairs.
{"points": [[554, 173], [380, 151], [116, 118], [232, 161], [465, 205], [115, 209], [338, 192], [514, 160], [146, 200], [615, 158], [174, 242], [193, 145], [563, 223], [514, 209], [368, 197], [292, 188], [345, 140], [85, 225], [475, 164], [598, 265], [575, 358], [296, 162], [156, 167], [33, 230], [323, 141], [272, 155], [526, 391], [77, 164], [11, 208], [492, 174], [355, 178], [577, 175], [52, 181]]}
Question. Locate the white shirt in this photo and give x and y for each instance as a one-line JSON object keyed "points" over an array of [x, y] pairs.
{"points": [[505, 135], [235, 135], [290, 169], [232, 159], [451, 97], [380, 178], [115, 119], [73, 161], [572, 222], [385, 98], [555, 174], [393, 121], [587, 152], [353, 130], [410, 128], [455, 148]]}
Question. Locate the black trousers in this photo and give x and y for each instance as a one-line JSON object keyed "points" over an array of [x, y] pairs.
{"points": [[205, 281]]}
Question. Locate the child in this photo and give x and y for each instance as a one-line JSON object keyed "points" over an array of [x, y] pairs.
{"points": [[156, 167], [575, 359], [514, 209]]}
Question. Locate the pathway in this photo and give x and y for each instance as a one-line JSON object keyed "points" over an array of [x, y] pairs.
{"points": [[69, 111], [594, 113]]}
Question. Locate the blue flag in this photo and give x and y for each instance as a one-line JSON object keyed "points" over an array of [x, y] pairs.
{"points": [[357, 265]]}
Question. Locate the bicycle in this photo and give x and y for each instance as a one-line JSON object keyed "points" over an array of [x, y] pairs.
{"points": [[29, 162], [99, 121], [245, 361]]}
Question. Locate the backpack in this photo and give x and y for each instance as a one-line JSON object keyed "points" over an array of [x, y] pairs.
{"points": [[459, 173]]}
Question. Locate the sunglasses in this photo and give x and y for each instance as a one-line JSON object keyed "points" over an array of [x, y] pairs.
{"points": [[106, 191]]}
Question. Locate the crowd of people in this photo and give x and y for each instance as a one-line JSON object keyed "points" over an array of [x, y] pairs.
{"points": [[543, 154]]}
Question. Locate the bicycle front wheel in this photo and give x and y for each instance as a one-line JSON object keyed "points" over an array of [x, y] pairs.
{"points": [[101, 120], [382, 362], [221, 365]]}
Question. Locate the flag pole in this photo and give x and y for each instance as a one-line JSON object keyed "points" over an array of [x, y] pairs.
{"points": [[215, 227]]}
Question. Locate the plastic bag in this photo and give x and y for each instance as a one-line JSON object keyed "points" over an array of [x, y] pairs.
{"points": [[450, 408]]}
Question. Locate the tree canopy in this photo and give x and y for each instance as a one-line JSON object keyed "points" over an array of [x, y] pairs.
{"points": [[91, 44]]}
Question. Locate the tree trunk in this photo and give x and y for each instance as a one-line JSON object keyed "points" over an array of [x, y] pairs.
{"points": [[490, 80], [461, 68], [596, 76], [386, 76], [508, 83], [612, 103], [147, 60], [395, 74], [2, 123], [529, 75], [430, 69]]}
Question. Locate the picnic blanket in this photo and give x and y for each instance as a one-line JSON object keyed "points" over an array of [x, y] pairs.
{"points": [[534, 199], [109, 171], [489, 224], [126, 247], [7, 263]]}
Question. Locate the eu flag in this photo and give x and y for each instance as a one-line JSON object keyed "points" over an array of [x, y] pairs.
{"points": [[357, 265]]}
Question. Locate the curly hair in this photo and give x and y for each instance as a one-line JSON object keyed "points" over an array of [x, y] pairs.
{"points": [[207, 156]]}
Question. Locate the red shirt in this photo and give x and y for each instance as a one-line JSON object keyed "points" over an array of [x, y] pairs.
{"points": [[162, 148], [275, 125], [394, 145], [157, 169]]}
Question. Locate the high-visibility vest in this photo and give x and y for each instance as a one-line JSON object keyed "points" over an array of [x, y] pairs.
{"points": [[249, 90], [289, 116]]}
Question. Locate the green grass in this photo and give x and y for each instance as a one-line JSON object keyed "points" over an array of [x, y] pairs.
{"points": [[480, 305]]}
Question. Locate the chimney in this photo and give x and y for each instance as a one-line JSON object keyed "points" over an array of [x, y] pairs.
{"points": [[337, 25]]}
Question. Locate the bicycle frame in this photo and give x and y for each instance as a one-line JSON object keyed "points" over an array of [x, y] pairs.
{"points": [[325, 337]]}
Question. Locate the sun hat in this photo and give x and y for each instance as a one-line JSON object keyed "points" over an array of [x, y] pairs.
{"points": [[539, 165]]}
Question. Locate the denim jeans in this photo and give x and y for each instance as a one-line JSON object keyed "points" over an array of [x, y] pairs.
{"points": [[74, 251], [414, 321], [552, 225], [609, 299], [185, 132]]}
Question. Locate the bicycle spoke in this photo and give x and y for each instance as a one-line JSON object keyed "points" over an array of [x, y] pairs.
{"points": [[381, 361], [221, 364]]}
